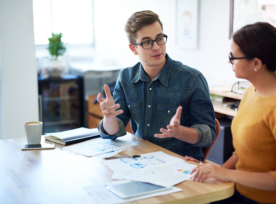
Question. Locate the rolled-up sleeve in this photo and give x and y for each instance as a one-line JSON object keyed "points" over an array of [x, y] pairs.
{"points": [[204, 135], [121, 131], [122, 119]]}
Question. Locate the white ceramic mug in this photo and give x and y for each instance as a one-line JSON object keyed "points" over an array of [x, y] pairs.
{"points": [[33, 131]]}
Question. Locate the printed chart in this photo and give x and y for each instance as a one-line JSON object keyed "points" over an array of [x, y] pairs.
{"points": [[168, 175], [99, 146]]}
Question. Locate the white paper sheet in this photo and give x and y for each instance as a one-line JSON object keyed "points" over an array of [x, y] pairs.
{"points": [[102, 195], [167, 176], [126, 166], [109, 154], [145, 161], [99, 146], [119, 175]]}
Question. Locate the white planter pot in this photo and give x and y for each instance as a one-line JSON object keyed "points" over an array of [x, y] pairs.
{"points": [[55, 67]]}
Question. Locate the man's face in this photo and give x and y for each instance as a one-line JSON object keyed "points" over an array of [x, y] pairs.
{"points": [[154, 56]]}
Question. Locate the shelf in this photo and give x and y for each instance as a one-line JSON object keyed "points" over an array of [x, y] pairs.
{"points": [[224, 110], [225, 91]]}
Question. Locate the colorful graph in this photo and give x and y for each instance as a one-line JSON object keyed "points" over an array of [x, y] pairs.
{"points": [[184, 171], [149, 172]]}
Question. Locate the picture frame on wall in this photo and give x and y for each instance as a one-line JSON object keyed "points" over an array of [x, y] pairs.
{"points": [[187, 21], [243, 12]]}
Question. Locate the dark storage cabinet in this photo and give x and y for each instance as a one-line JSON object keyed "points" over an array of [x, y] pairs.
{"points": [[61, 103], [223, 148]]}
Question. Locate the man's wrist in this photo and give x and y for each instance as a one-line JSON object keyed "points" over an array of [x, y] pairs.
{"points": [[181, 132], [111, 119]]}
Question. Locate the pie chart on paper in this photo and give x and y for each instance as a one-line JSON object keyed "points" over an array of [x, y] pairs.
{"points": [[149, 172]]}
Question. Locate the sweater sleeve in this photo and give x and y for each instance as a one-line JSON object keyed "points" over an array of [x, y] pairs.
{"points": [[272, 124]]}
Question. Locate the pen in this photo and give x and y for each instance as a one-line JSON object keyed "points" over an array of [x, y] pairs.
{"points": [[119, 157]]}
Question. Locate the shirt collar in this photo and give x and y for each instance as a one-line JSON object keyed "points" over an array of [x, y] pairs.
{"points": [[163, 75]]}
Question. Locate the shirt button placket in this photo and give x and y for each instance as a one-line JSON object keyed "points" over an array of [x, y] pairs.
{"points": [[148, 112]]}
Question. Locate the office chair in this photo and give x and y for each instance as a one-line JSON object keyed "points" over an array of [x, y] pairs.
{"points": [[206, 150]]}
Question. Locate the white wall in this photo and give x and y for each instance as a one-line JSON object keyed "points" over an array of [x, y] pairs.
{"points": [[18, 81], [211, 57], [18, 75]]}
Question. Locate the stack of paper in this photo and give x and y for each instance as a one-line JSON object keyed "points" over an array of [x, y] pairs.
{"points": [[100, 146], [157, 167], [167, 176]]}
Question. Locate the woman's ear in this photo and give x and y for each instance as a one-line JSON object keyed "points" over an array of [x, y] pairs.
{"points": [[258, 63], [133, 48]]}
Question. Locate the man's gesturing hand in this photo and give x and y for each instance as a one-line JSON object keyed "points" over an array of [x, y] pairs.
{"points": [[173, 129], [107, 105]]}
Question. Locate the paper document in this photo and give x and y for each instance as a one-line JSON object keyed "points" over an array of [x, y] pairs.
{"points": [[109, 154], [102, 195], [99, 146], [167, 176], [126, 166]]}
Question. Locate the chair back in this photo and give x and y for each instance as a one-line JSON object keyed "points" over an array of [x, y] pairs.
{"points": [[206, 150]]}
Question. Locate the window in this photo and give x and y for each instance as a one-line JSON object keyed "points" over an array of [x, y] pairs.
{"points": [[72, 18], [243, 12]]}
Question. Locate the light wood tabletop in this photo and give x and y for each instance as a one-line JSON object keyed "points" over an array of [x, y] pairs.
{"points": [[58, 176]]}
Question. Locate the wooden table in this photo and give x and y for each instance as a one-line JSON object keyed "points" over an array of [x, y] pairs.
{"points": [[58, 176]]}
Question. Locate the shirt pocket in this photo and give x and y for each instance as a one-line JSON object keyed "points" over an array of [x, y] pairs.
{"points": [[165, 114], [133, 107]]}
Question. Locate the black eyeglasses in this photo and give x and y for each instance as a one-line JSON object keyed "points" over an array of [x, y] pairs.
{"points": [[161, 40], [231, 58]]}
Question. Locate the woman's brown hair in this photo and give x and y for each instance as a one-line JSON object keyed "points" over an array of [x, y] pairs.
{"points": [[258, 40]]}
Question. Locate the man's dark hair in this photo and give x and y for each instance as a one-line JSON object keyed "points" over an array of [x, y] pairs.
{"points": [[138, 20]]}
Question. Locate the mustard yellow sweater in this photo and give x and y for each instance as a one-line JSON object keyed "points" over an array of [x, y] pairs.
{"points": [[254, 139]]}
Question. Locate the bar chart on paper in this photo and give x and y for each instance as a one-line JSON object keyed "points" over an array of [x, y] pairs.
{"points": [[168, 175]]}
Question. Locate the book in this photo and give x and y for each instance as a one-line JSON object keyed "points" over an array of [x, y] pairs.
{"points": [[73, 136]]}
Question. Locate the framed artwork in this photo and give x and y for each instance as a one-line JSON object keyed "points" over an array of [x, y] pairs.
{"points": [[243, 12], [187, 23]]}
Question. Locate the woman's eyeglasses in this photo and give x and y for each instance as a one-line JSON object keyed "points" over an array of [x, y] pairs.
{"points": [[231, 58]]}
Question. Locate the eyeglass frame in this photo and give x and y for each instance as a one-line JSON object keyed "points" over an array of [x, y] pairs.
{"points": [[231, 58], [152, 41]]}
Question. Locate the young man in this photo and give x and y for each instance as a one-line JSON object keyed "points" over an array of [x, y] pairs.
{"points": [[166, 102]]}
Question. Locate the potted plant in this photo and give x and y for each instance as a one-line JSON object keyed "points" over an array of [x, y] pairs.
{"points": [[55, 46], [56, 63]]}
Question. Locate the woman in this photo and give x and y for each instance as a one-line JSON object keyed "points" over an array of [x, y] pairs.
{"points": [[253, 164]]}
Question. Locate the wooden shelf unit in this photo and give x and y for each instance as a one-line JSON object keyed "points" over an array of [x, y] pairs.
{"points": [[226, 92]]}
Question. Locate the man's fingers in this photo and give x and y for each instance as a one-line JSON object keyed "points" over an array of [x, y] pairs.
{"points": [[113, 114], [100, 98], [164, 131], [171, 128], [109, 110], [107, 92], [161, 135], [178, 113], [118, 112]]}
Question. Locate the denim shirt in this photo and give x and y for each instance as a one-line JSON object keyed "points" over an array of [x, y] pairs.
{"points": [[150, 105]]}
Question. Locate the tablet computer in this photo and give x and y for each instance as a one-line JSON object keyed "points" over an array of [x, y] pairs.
{"points": [[135, 188]]}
